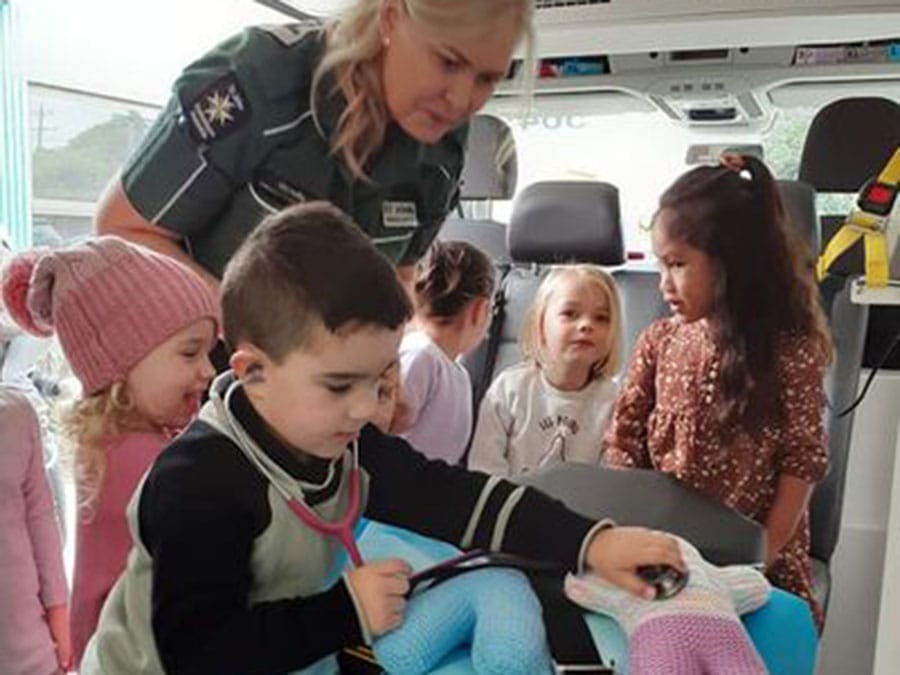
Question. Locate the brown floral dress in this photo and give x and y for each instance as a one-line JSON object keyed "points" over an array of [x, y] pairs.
{"points": [[663, 419]]}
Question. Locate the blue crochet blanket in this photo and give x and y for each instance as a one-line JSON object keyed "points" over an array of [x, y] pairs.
{"points": [[782, 631]]}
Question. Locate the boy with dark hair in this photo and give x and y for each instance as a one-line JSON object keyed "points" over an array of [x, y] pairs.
{"points": [[240, 520]]}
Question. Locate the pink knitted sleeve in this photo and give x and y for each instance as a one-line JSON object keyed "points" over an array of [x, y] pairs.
{"points": [[40, 514]]}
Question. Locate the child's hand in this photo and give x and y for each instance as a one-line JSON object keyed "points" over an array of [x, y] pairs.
{"points": [[380, 588], [390, 402], [392, 415], [401, 420], [615, 553], [58, 621]]}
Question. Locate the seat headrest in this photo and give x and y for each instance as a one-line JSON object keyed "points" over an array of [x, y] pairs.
{"points": [[567, 221], [800, 203], [848, 142], [490, 169]]}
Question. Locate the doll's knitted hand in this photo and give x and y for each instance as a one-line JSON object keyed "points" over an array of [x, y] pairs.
{"points": [[693, 632]]}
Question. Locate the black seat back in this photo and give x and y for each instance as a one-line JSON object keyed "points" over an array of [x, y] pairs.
{"points": [[656, 500]]}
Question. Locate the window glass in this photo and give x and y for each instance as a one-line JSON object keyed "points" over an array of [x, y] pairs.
{"points": [[78, 142], [639, 151], [783, 147]]}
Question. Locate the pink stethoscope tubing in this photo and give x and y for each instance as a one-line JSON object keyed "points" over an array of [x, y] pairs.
{"points": [[341, 529]]}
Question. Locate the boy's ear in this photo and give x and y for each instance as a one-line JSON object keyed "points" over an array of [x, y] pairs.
{"points": [[249, 363]]}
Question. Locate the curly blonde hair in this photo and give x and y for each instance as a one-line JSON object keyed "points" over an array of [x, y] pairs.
{"points": [[531, 342], [88, 425], [354, 50]]}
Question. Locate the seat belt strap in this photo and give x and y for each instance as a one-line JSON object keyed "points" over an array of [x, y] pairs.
{"points": [[869, 222], [495, 332], [572, 646], [890, 174], [876, 253], [842, 240]]}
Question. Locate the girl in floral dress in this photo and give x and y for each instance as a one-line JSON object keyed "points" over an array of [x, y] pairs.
{"points": [[727, 394]]}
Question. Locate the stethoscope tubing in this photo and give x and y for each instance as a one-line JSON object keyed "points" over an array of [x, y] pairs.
{"points": [[341, 529]]}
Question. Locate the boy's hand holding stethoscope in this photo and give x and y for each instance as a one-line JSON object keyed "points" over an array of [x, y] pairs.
{"points": [[380, 588], [617, 554]]}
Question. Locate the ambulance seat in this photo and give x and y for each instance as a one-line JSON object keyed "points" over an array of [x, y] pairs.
{"points": [[848, 142], [642, 304], [489, 172]]}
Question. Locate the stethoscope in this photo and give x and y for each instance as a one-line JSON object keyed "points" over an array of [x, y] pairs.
{"points": [[341, 529]]}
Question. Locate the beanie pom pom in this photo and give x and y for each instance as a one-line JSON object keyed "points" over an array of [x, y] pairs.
{"points": [[16, 284]]}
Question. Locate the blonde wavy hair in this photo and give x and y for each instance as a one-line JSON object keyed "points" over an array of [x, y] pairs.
{"points": [[353, 53], [88, 425], [531, 340]]}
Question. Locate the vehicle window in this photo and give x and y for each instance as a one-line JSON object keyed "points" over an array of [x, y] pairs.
{"points": [[783, 146], [78, 142], [640, 152]]}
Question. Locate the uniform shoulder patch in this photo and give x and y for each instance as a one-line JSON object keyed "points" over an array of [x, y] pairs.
{"points": [[290, 34], [220, 109]]}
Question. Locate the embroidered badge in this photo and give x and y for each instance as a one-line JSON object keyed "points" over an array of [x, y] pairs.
{"points": [[220, 109], [399, 214]]}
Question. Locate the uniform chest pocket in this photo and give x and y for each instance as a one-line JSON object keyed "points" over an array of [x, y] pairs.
{"points": [[297, 173]]}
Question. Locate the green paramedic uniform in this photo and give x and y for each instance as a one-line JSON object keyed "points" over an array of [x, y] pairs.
{"points": [[238, 140]]}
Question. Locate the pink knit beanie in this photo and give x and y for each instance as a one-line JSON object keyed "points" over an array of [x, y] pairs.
{"points": [[110, 303]]}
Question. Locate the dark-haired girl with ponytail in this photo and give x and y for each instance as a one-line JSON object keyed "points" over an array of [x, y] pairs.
{"points": [[452, 292], [727, 393]]}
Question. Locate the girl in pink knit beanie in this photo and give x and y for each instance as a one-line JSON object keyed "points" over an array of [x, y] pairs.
{"points": [[135, 327]]}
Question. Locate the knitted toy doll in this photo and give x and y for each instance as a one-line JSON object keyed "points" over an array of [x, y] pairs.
{"points": [[493, 610], [694, 632]]}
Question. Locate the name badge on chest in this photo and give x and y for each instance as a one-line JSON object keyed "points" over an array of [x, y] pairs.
{"points": [[399, 214]]}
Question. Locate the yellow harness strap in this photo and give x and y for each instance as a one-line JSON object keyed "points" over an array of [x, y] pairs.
{"points": [[871, 227]]}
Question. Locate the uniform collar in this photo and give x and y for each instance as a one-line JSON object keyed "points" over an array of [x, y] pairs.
{"points": [[329, 101]]}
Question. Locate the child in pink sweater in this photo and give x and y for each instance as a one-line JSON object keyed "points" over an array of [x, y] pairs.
{"points": [[34, 634], [135, 327]]}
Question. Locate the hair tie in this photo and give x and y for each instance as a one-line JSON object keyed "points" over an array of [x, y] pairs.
{"points": [[737, 163]]}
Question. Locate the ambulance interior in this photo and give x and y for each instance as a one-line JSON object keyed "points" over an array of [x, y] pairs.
{"points": [[629, 93]]}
